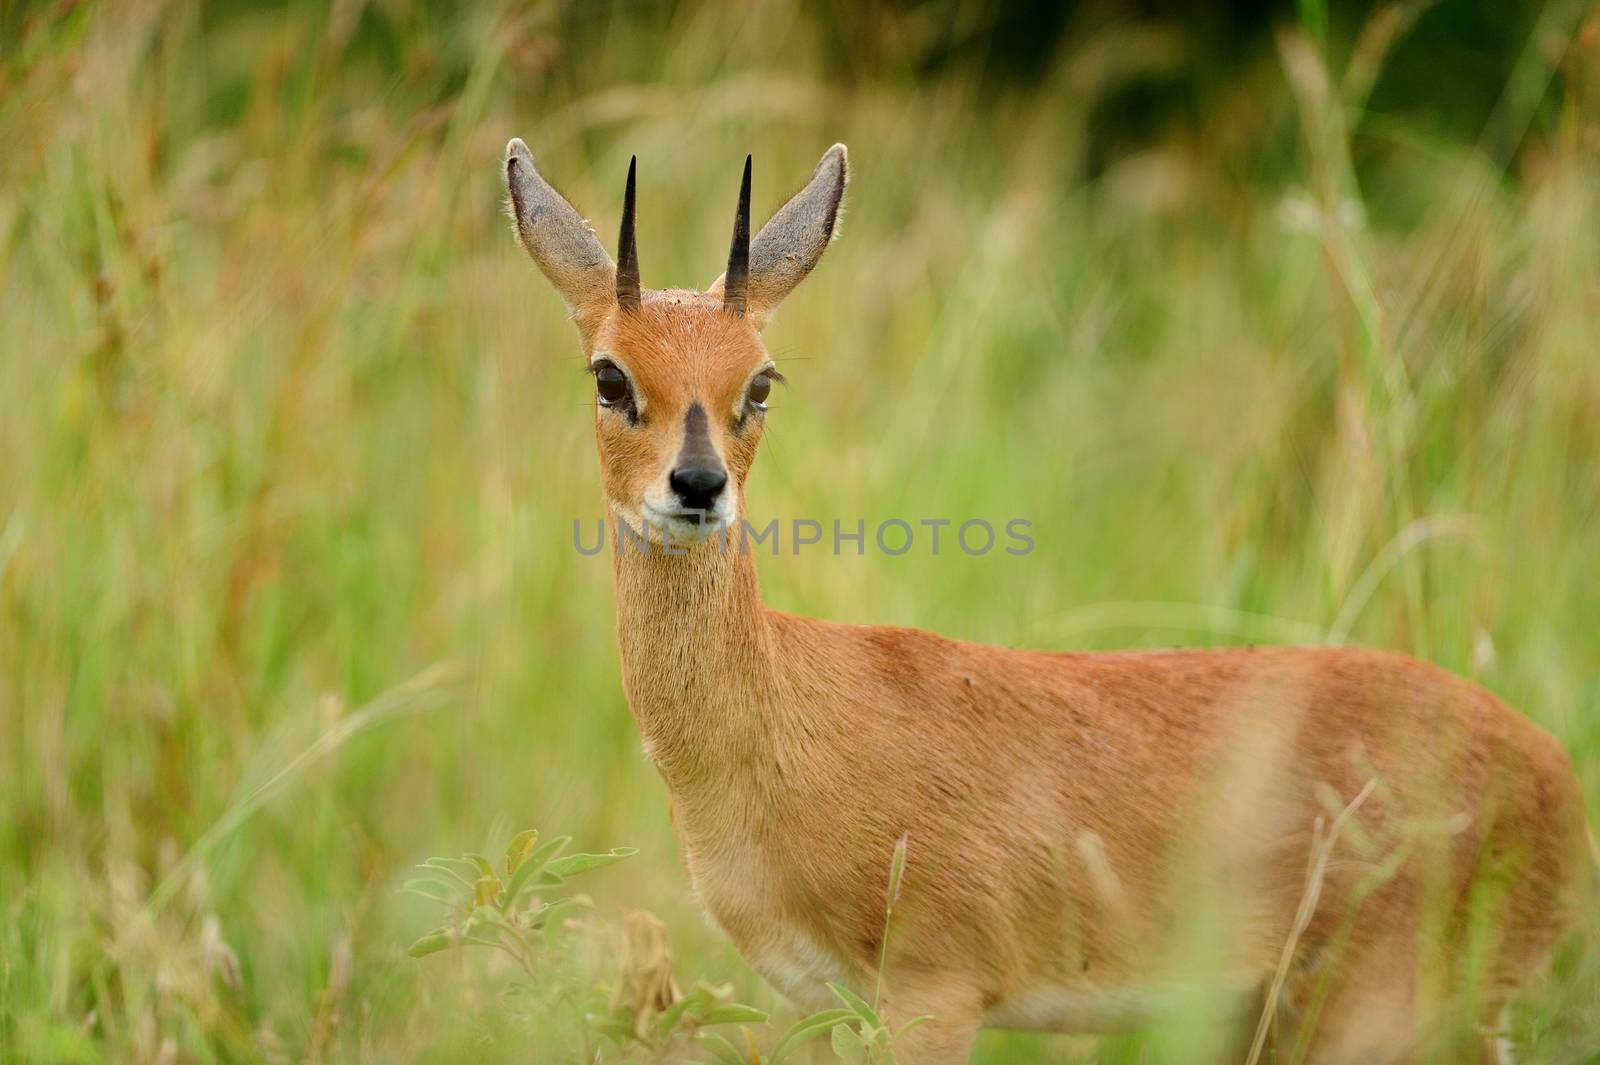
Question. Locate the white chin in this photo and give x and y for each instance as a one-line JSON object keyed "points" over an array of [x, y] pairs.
{"points": [[681, 530]]}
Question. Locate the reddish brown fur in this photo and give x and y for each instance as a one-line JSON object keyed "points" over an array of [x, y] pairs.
{"points": [[681, 356], [1065, 813]]}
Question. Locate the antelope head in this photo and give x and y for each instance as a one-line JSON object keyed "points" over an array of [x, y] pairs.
{"points": [[681, 377]]}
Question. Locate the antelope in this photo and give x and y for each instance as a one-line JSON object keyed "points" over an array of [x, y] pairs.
{"points": [[1362, 827]]}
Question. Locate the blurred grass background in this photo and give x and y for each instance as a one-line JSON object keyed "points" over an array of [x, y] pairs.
{"points": [[1278, 325]]}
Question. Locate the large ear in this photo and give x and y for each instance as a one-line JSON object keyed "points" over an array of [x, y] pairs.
{"points": [[793, 240], [557, 238]]}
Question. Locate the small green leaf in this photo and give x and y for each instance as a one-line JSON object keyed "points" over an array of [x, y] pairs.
{"points": [[487, 915], [856, 1003], [849, 1047], [519, 848], [582, 863], [725, 1051], [484, 867], [435, 941], [734, 1013], [429, 888], [528, 877], [487, 890], [549, 849], [668, 1018], [806, 1029], [475, 940], [706, 994], [547, 918], [442, 877], [463, 871], [688, 1009]]}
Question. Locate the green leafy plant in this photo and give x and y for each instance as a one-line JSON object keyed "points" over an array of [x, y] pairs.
{"points": [[865, 1038], [510, 914], [515, 910], [857, 1034]]}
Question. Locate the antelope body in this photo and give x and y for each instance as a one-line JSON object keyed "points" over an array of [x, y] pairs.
{"points": [[1064, 814]]}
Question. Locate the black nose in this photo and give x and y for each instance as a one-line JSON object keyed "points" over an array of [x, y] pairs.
{"points": [[698, 486]]}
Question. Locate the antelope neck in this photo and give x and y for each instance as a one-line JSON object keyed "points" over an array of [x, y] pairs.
{"points": [[697, 660]]}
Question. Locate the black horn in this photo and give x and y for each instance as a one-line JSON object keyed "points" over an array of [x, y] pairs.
{"points": [[736, 282], [628, 249]]}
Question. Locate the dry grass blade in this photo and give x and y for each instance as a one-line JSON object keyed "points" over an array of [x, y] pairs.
{"points": [[1322, 843]]}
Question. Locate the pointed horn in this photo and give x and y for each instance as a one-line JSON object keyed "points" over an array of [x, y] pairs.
{"points": [[736, 283], [628, 249]]}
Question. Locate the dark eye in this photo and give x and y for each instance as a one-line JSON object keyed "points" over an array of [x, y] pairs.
{"points": [[760, 389], [612, 384]]}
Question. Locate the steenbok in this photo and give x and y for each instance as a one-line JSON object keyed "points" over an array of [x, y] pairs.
{"points": [[1365, 845]]}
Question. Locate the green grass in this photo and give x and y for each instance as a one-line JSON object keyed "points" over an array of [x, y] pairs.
{"points": [[292, 437]]}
